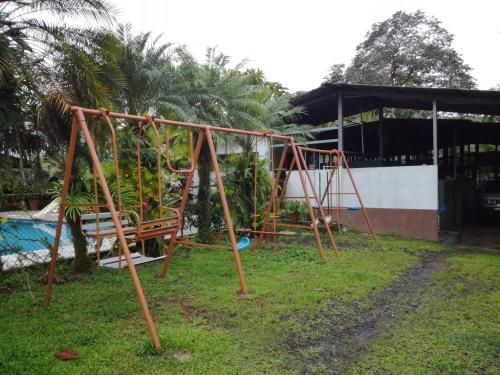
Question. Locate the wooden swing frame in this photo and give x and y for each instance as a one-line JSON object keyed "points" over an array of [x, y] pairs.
{"points": [[79, 125]]}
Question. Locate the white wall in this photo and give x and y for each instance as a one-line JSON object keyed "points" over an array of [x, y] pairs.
{"points": [[408, 187], [233, 148]]}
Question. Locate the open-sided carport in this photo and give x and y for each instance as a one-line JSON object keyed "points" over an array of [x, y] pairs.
{"points": [[439, 144]]}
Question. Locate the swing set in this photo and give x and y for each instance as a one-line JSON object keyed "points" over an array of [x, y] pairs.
{"points": [[112, 219]]}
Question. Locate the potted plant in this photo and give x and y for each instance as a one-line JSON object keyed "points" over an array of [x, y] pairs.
{"points": [[294, 210], [33, 203]]}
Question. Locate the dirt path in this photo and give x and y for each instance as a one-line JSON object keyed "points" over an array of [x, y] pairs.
{"points": [[334, 336]]}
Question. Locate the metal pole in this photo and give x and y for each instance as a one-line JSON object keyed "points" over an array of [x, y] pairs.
{"points": [[434, 134], [182, 207], [119, 230], [308, 202], [124, 116], [225, 207], [62, 204], [381, 133], [320, 206], [362, 139], [340, 122]]}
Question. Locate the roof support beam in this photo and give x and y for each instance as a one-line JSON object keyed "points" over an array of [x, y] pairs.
{"points": [[362, 139], [340, 122], [434, 134], [381, 133]]}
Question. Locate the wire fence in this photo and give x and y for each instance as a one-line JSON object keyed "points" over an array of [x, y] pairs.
{"points": [[27, 239]]}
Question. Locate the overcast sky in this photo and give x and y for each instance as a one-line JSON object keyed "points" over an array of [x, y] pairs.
{"points": [[295, 42]]}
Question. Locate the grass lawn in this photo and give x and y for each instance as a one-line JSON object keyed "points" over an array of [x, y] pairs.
{"points": [[205, 327]]}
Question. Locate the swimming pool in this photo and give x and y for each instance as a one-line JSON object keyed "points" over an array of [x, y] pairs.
{"points": [[29, 235]]}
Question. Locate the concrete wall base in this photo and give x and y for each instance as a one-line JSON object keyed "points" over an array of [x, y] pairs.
{"points": [[409, 223]]}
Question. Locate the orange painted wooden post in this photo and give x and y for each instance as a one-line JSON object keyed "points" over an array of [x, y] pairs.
{"points": [[62, 205], [368, 221], [308, 202], [318, 202], [285, 184], [117, 222], [227, 214], [273, 191], [182, 207]]}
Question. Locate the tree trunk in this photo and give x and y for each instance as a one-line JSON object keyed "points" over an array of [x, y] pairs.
{"points": [[38, 171], [20, 151], [82, 262], [203, 207]]}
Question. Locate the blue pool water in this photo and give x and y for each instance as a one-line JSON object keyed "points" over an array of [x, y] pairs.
{"points": [[27, 236]]}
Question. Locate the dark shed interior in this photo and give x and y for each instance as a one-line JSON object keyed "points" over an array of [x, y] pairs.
{"points": [[468, 150]]}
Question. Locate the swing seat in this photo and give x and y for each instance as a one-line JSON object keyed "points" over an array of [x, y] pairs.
{"points": [[243, 244], [167, 225], [101, 225], [353, 208]]}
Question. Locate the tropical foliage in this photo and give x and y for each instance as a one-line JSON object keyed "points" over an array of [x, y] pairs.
{"points": [[48, 66], [407, 49], [248, 183]]}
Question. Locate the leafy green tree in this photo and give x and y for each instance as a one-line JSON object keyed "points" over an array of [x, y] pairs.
{"points": [[217, 94], [239, 183], [227, 96], [86, 77], [336, 73], [408, 49], [145, 64], [76, 72]]}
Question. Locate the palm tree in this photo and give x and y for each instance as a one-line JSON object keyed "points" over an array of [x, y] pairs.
{"points": [[86, 77], [145, 63], [56, 64], [226, 96]]}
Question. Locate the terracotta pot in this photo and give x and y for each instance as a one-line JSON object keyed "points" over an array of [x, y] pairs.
{"points": [[218, 235], [293, 218], [33, 204]]}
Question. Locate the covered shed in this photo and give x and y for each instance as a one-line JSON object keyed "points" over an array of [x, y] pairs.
{"points": [[435, 145]]}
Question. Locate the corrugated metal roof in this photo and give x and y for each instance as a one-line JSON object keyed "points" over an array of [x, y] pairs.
{"points": [[320, 104]]}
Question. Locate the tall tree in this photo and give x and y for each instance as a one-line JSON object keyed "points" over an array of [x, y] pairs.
{"points": [[408, 49], [86, 76], [40, 54], [218, 94], [143, 61], [226, 96]]}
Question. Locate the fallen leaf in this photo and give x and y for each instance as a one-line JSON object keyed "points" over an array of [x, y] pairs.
{"points": [[67, 355]]}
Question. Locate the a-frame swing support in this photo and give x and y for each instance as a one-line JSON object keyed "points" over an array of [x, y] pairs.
{"points": [[79, 124], [341, 163]]}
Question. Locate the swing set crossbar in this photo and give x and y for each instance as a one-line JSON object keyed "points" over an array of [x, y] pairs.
{"points": [[273, 233]]}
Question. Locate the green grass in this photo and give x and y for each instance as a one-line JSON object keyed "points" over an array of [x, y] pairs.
{"points": [[205, 326], [456, 330]]}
